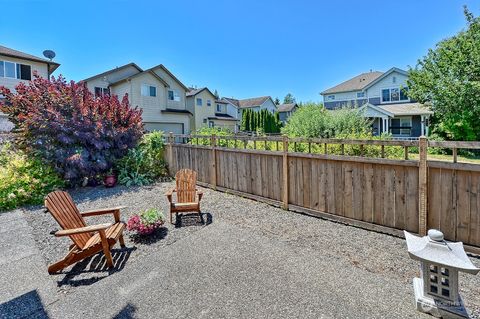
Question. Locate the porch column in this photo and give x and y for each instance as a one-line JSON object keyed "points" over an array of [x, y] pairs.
{"points": [[422, 131], [426, 126], [380, 131]]}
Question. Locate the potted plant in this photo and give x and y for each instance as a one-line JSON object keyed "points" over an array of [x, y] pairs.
{"points": [[146, 222], [110, 179]]}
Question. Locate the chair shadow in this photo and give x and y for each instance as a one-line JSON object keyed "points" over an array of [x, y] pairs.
{"points": [[159, 234], [93, 269], [127, 312], [193, 219], [28, 305]]}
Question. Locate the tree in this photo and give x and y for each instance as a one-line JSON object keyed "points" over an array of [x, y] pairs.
{"points": [[78, 134], [288, 99], [448, 77], [277, 101]]}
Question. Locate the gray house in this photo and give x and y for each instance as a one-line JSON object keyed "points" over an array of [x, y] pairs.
{"points": [[384, 96], [286, 110]]}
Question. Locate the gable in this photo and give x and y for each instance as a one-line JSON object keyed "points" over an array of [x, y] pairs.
{"points": [[169, 78]]}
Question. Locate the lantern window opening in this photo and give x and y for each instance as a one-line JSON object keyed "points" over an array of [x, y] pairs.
{"points": [[433, 269], [446, 292], [433, 279], [433, 289], [444, 271], [445, 282]]}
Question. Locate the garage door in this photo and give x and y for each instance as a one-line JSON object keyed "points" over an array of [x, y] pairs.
{"points": [[176, 128]]}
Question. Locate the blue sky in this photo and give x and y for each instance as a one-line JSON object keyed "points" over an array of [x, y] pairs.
{"points": [[241, 48]]}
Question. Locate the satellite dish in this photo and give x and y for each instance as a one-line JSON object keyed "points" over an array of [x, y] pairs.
{"points": [[49, 54]]}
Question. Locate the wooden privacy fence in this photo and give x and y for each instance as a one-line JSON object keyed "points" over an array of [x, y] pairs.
{"points": [[379, 193]]}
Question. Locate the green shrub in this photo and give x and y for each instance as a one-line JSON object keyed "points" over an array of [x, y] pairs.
{"points": [[313, 120], [209, 131], [145, 163], [24, 179]]}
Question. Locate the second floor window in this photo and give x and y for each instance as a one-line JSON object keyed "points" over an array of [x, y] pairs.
{"points": [[330, 97], [394, 94], [148, 90], [199, 102], [209, 103], [360, 95], [15, 70], [219, 108], [173, 95], [101, 91]]}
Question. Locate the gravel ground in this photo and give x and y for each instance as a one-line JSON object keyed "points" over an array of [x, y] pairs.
{"points": [[376, 253]]}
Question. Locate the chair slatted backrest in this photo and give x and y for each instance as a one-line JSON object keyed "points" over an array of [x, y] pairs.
{"points": [[67, 215], [186, 185]]}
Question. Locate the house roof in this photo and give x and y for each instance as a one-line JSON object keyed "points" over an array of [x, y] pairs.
{"points": [[193, 91], [222, 116], [155, 75], [118, 68], [400, 109], [286, 107], [221, 102], [171, 74], [394, 69], [406, 109], [52, 66], [246, 103], [356, 83]]}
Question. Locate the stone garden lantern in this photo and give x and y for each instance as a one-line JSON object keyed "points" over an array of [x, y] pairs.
{"points": [[436, 292]]}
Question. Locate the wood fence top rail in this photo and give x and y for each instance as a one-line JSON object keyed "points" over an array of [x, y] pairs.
{"points": [[302, 140], [454, 144]]}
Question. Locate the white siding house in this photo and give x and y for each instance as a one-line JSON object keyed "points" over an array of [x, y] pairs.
{"points": [[17, 67], [159, 94]]}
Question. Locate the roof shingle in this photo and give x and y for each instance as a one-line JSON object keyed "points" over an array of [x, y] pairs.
{"points": [[356, 83]]}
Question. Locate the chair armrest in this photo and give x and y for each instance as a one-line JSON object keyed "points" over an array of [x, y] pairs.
{"points": [[200, 194], [111, 210], [103, 211], [169, 194], [81, 230]]}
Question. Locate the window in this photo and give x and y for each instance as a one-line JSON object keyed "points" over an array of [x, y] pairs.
{"points": [[398, 123], [210, 124], [386, 95], [330, 97], [199, 102], [10, 70], [148, 90], [394, 94], [360, 94], [173, 95], [101, 91], [15, 70], [24, 72], [209, 103], [394, 79], [219, 108], [404, 94]]}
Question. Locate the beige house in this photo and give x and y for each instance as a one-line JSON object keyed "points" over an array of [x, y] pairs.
{"points": [[156, 91], [211, 112], [16, 67]]}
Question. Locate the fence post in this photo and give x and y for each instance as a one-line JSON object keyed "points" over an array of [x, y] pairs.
{"points": [[422, 186], [213, 181], [170, 151], [285, 173]]}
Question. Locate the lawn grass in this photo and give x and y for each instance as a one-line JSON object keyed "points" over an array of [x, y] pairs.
{"points": [[447, 158]]}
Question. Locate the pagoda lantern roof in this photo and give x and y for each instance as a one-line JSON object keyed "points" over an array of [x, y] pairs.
{"points": [[435, 249]]}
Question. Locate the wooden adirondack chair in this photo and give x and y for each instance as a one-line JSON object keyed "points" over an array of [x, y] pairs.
{"points": [[187, 191], [87, 240]]}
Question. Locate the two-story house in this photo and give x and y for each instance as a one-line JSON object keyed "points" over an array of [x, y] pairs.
{"points": [[384, 95], [286, 110], [210, 112], [16, 67], [255, 103], [160, 95]]}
